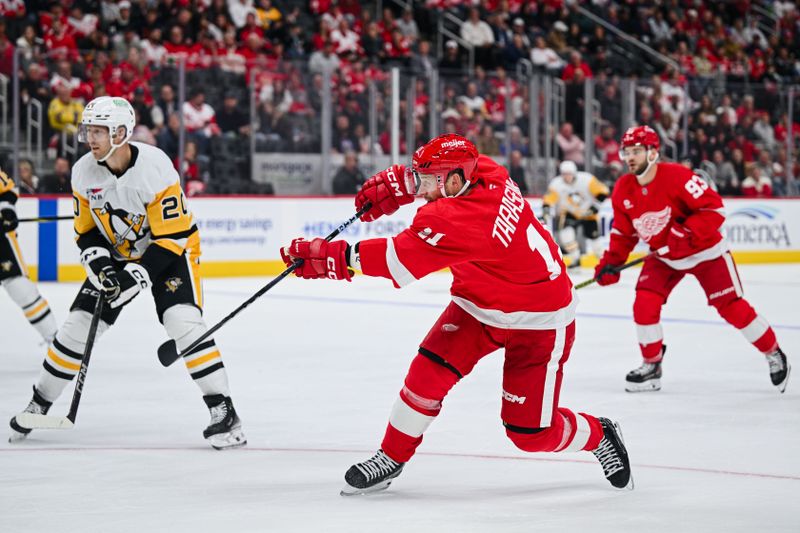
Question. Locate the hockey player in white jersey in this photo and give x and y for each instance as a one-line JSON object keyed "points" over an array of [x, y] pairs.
{"points": [[572, 203], [13, 272], [134, 232]]}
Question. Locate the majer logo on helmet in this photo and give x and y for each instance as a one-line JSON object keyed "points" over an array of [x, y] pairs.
{"points": [[111, 113], [433, 162]]}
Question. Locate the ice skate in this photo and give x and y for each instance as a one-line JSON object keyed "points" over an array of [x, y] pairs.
{"points": [[779, 369], [646, 378], [613, 456], [37, 405], [373, 475], [225, 429]]}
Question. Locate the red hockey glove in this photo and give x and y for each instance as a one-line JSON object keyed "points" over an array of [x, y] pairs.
{"points": [[679, 242], [321, 259], [606, 273], [386, 191]]}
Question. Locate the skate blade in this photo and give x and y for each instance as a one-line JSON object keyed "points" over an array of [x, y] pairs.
{"points": [[353, 491], [227, 441], [782, 385], [651, 385]]}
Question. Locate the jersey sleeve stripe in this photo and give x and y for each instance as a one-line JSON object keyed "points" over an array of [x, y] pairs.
{"points": [[177, 235], [400, 274]]}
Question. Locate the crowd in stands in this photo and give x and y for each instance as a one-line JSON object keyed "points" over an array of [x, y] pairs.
{"points": [[718, 102]]}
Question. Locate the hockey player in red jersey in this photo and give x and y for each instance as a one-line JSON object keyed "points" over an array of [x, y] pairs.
{"points": [[666, 204], [510, 290]]}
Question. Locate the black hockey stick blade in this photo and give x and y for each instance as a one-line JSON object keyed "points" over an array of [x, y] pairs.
{"points": [[168, 351]]}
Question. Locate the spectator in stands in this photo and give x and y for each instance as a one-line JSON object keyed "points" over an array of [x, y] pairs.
{"points": [[231, 119], [571, 145], [163, 107], [349, 178], [407, 26], [479, 34], [64, 112], [516, 171], [59, 181], [168, 138], [345, 40], [611, 104], [422, 63], [29, 46], [607, 146], [372, 42], [238, 10], [755, 185], [576, 63], [451, 65], [545, 58], [486, 142], [343, 139], [763, 131], [199, 118], [725, 177], [324, 60], [190, 171], [28, 182], [515, 142]]}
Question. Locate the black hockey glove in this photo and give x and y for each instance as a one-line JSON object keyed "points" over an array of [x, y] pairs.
{"points": [[9, 217]]}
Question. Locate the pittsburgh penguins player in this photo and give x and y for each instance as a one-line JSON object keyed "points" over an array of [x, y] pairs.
{"points": [[13, 272], [134, 232], [576, 197]]}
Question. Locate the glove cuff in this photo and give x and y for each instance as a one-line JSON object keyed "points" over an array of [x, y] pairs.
{"points": [[139, 273], [95, 258]]}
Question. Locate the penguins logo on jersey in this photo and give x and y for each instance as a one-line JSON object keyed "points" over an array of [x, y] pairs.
{"points": [[173, 284], [122, 228]]}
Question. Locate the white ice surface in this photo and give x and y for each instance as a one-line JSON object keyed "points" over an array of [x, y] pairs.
{"points": [[315, 368]]}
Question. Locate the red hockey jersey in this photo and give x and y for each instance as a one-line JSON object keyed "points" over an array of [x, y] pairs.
{"points": [[675, 196], [507, 269]]}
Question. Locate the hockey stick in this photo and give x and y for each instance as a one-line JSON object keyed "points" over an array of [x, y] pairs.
{"points": [[168, 351], [46, 219], [39, 421], [660, 251]]}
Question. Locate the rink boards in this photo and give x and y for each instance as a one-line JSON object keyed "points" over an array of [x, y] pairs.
{"points": [[241, 236]]}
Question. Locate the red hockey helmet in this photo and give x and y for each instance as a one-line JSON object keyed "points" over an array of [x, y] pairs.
{"points": [[444, 154], [640, 136]]}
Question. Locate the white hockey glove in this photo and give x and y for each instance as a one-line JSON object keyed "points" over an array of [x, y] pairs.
{"points": [[120, 287]]}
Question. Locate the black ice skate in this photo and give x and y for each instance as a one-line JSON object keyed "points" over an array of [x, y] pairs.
{"points": [[225, 429], [613, 456], [645, 378], [779, 369], [372, 475], [37, 405]]}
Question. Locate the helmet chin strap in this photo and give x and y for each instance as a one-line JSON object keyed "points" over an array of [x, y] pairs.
{"points": [[650, 163], [459, 193]]}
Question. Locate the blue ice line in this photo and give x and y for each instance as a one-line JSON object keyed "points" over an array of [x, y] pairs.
{"points": [[440, 306]]}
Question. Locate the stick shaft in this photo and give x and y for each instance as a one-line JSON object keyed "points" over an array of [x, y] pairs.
{"points": [[271, 284], [619, 269], [80, 379], [46, 219]]}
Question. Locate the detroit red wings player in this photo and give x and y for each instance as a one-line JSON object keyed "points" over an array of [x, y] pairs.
{"points": [[510, 290], [666, 204]]}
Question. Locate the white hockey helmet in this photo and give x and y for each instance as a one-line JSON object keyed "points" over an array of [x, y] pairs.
{"points": [[112, 113], [568, 167]]}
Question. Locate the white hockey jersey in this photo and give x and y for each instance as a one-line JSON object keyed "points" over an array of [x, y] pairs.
{"points": [[145, 205], [577, 197]]}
